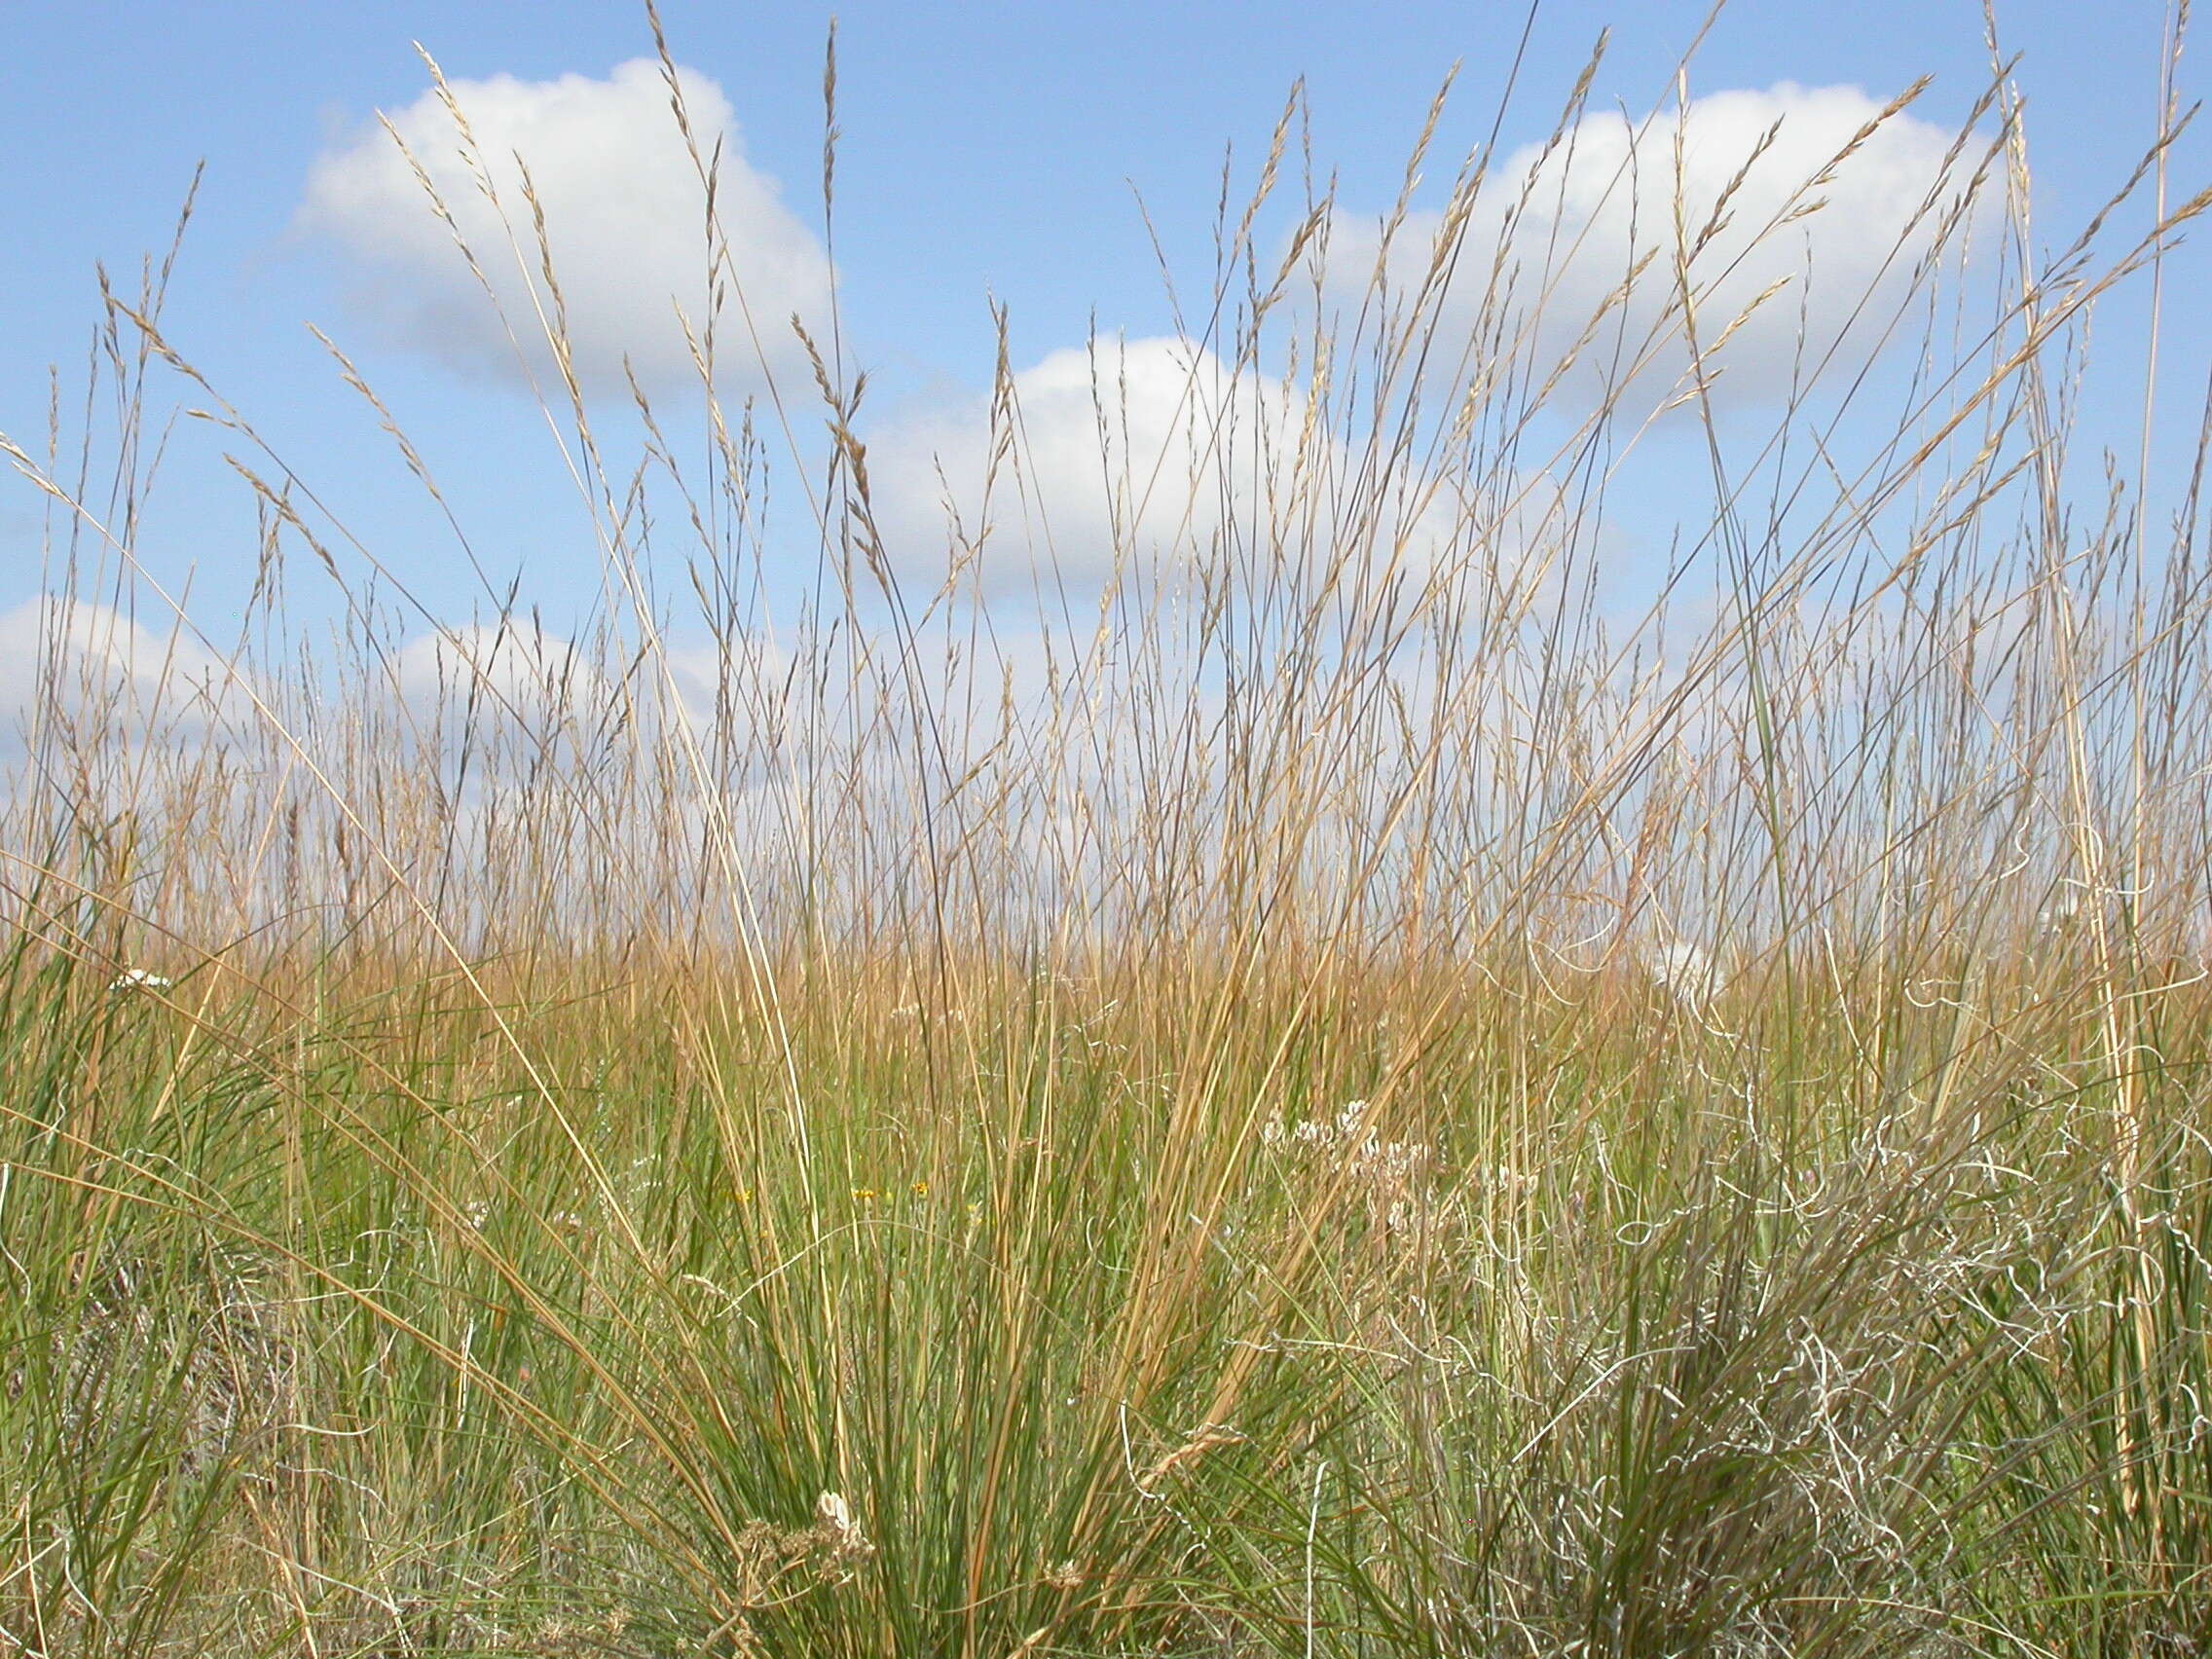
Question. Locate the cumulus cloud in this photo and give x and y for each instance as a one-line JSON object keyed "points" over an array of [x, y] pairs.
{"points": [[1122, 455], [98, 674], [1157, 457], [497, 674], [738, 687], [512, 679], [1134, 457], [1832, 243], [625, 219]]}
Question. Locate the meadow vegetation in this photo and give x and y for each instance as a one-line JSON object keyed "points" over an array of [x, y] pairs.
{"points": [[1335, 1092]]}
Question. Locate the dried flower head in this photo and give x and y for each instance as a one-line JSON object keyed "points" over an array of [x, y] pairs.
{"points": [[1063, 1575], [841, 1543], [1179, 1459]]}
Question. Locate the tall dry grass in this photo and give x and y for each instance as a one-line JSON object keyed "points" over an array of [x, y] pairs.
{"points": [[1339, 1095]]}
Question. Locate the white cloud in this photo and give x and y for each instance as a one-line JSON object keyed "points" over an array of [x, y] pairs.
{"points": [[625, 218], [736, 689], [1157, 459], [100, 675], [512, 679], [1156, 455], [1576, 220], [496, 675], [1125, 455]]}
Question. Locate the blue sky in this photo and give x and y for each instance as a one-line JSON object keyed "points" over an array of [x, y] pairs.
{"points": [[987, 148]]}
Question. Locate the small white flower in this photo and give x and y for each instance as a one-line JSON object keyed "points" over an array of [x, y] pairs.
{"points": [[834, 1525], [1685, 971], [139, 979]]}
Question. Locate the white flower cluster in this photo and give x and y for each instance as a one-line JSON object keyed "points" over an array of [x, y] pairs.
{"points": [[1509, 1182], [1685, 971], [139, 979], [839, 1535], [1375, 1157]]}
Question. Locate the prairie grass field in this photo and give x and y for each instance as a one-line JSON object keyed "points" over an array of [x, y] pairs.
{"points": [[1357, 1084]]}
